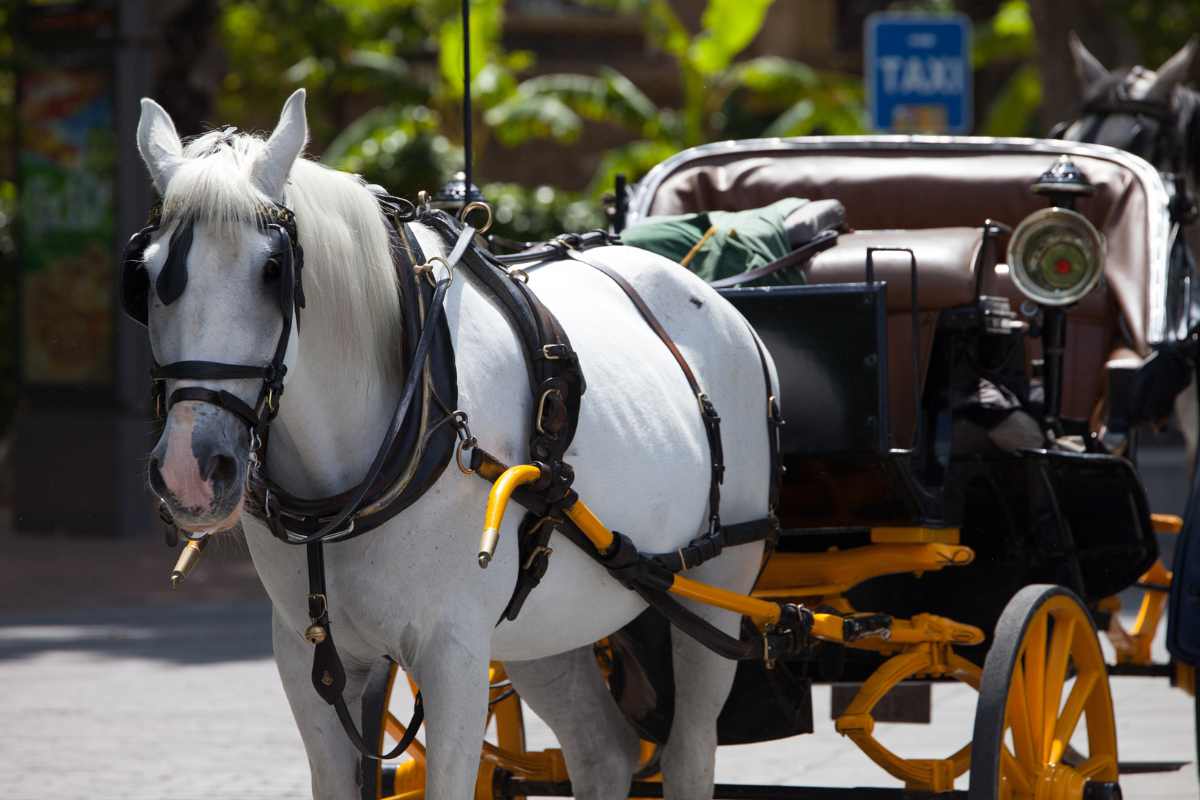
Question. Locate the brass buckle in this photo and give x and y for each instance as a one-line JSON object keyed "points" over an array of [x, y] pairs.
{"points": [[426, 269], [313, 601], [541, 412], [463, 445], [477, 206], [537, 551]]}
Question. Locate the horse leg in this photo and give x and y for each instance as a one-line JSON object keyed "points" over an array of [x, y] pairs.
{"points": [[332, 759], [453, 676], [702, 682], [569, 693]]}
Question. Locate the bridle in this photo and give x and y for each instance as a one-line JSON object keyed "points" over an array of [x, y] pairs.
{"points": [[285, 264], [1170, 144], [429, 454]]}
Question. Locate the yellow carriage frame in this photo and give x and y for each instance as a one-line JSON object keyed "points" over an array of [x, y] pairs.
{"points": [[921, 648]]}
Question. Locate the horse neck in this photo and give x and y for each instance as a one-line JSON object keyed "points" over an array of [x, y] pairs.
{"points": [[338, 401]]}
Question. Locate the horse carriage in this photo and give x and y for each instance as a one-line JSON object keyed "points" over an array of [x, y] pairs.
{"points": [[933, 535], [953, 498]]}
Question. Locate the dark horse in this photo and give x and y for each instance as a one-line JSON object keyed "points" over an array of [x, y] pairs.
{"points": [[1152, 114]]}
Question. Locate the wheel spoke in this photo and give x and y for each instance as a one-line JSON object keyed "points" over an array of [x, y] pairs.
{"points": [[1056, 675], [1097, 765], [1011, 769], [1085, 682], [1035, 678], [395, 728], [1018, 716]]}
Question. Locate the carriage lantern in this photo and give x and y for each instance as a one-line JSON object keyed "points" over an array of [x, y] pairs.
{"points": [[1056, 256]]}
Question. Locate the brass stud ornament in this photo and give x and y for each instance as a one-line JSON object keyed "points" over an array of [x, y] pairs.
{"points": [[315, 634]]}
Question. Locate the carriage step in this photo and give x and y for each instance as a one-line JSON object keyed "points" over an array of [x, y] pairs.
{"points": [[725, 791]]}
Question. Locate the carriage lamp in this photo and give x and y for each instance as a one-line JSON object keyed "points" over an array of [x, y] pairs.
{"points": [[1056, 256]]}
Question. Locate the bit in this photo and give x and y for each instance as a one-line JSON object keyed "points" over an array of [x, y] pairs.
{"points": [[188, 558]]}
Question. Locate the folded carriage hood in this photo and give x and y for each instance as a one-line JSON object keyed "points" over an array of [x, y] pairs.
{"points": [[890, 182]]}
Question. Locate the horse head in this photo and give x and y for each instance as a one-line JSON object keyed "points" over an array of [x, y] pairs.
{"points": [[1149, 113], [216, 280]]}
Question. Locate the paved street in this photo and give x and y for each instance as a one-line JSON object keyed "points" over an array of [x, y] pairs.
{"points": [[181, 701]]}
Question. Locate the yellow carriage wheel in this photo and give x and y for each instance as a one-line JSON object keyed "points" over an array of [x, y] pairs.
{"points": [[404, 778], [1044, 681]]}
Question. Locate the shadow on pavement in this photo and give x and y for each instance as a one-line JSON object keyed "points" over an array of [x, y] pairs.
{"points": [[184, 634]]}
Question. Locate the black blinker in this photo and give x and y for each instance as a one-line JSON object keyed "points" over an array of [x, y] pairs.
{"points": [[135, 282], [173, 279]]}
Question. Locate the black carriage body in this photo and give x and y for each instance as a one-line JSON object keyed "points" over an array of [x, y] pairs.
{"points": [[1033, 515]]}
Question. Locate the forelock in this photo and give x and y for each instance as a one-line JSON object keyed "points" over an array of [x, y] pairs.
{"points": [[213, 183]]}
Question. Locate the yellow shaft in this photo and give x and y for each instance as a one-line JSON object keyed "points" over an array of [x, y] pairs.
{"points": [[497, 504]]}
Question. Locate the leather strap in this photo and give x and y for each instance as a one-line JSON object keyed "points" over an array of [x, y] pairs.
{"points": [[798, 257], [211, 370], [220, 398], [419, 454], [556, 380], [708, 414], [333, 526], [328, 673]]}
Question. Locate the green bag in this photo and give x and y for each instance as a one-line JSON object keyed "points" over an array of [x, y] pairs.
{"points": [[720, 244]]}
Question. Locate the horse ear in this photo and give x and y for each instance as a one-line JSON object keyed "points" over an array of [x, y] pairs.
{"points": [[159, 144], [272, 167], [1087, 66], [1174, 71]]}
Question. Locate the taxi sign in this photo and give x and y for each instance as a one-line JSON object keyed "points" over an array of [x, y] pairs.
{"points": [[918, 73]]}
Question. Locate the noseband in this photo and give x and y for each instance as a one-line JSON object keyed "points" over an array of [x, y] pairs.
{"points": [[285, 265]]}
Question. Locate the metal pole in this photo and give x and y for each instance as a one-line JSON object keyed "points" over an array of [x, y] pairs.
{"points": [[467, 148]]}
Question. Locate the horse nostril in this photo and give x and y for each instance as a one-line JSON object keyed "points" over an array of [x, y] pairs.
{"points": [[157, 484], [220, 469]]}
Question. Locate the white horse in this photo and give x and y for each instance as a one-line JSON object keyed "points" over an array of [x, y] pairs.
{"points": [[413, 589]]}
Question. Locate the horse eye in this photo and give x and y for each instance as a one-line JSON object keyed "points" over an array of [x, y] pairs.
{"points": [[271, 269]]}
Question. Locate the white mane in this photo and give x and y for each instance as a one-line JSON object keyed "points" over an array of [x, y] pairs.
{"points": [[349, 278]]}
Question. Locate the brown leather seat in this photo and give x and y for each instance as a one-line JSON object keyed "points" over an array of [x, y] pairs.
{"points": [[898, 183], [945, 265]]}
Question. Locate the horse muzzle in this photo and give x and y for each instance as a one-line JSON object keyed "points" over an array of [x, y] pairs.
{"points": [[198, 468]]}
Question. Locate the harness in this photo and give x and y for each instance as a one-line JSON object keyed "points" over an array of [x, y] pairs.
{"points": [[1173, 142], [425, 425]]}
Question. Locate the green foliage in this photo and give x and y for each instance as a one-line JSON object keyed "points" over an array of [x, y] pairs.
{"points": [[1160, 27], [1009, 39], [721, 99], [524, 214]]}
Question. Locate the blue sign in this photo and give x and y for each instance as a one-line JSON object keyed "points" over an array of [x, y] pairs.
{"points": [[918, 73]]}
